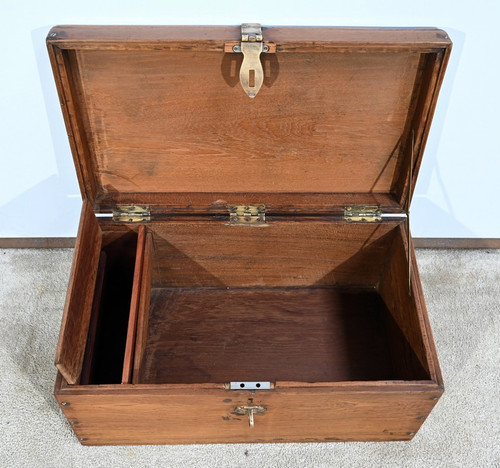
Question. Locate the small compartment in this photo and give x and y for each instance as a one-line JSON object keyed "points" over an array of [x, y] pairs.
{"points": [[111, 308], [285, 302]]}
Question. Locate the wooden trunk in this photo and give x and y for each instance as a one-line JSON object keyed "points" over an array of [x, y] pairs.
{"points": [[232, 296]]}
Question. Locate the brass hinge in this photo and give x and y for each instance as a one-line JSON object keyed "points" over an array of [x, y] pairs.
{"points": [[247, 214], [131, 213], [363, 213]]}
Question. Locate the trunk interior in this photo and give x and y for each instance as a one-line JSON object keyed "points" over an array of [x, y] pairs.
{"points": [[304, 301]]}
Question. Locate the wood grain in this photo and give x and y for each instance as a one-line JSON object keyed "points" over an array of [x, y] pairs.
{"points": [[334, 144], [161, 414], [329, 118], [77, 310], [286, 253], [426, 91], [408, 311], [270, 334], [144, 308], [128, 359], [424, 323], [88, 360], [212, 38]]}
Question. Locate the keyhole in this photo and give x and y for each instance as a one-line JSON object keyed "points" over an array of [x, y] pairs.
{"points": [[251, 78]]}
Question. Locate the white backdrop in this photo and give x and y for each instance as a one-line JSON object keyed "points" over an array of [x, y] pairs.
{"points": [[458, 187]]}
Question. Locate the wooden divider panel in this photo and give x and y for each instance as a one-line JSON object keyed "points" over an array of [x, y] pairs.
{"points": [[77, 311]]}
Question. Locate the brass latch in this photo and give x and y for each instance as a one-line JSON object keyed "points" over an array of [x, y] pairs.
{"points": [[363, 213], [251, 46], [250, 410], [247, 214], [131, 213]]}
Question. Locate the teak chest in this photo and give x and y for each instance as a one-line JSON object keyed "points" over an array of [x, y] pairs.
{"points": [[244, 270]]}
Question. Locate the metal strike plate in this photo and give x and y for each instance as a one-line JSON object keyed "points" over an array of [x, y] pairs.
{"points": [[247, 214], [363, 213], [250, 385]]}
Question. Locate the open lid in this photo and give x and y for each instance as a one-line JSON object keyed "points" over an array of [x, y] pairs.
{"points": [[157, 116]]}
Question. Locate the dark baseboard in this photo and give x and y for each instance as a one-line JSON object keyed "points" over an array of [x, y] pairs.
{"points": [[456, 243], [419, 243], [37, 242]]}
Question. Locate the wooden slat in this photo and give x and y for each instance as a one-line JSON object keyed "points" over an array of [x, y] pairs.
{"points": [[78, 308], [88, 361], [73, 109], [134, 307], [430, 78], [144, 307]]}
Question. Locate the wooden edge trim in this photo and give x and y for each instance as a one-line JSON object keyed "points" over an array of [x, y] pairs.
{"points": [[143, 308], [423, 315], [78, 307], [128, 359], [419, 243], [62, 388], [94, 321], [120, 36]]}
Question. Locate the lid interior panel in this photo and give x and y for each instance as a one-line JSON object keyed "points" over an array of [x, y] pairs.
{"points": [[173, 121]]}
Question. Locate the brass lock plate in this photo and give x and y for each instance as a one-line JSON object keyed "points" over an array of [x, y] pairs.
{"points": [[250, 410], [252, 45]]}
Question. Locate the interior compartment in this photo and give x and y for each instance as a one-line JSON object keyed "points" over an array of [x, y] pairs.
{"points": [[317, 334], [288, 301], [105, 349]]}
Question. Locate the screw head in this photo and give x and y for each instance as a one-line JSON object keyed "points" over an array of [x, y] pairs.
{"points": [[53, 34], [64, 403], [237, 48], [265, 48]]}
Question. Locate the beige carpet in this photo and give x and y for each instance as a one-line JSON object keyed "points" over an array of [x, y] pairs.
{"points": [[463, 295]]}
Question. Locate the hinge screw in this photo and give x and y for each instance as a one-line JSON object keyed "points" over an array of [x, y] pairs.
{"points": [[64, 403]]}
